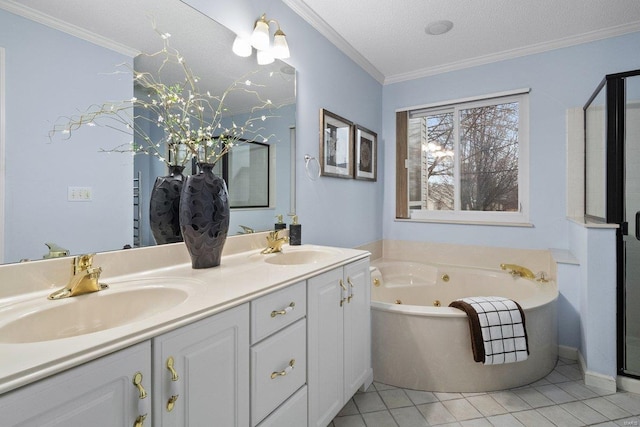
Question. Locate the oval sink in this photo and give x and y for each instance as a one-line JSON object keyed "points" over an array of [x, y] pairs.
{"points": [[303, 256], [90, 313]]}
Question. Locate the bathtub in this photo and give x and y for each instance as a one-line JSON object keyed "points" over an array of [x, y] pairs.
{"points": [[418, 342]]}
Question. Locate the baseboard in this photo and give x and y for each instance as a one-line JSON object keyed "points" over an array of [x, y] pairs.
{"points": [[598, 380], [368, 380], [629, 384], [595, 379], [567, 352]]}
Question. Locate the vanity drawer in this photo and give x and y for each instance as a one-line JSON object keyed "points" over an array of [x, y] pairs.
{"points": [[278, 368], [277, 310], [291, 413]]}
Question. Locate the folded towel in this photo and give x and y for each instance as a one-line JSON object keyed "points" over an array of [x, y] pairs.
{"points": [[498, 333]]}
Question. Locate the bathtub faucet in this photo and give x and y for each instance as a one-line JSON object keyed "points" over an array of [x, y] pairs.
{"points": [[518, 270]]}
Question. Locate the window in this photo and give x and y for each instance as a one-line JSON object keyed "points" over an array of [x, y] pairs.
{"points": [[466, 160]]}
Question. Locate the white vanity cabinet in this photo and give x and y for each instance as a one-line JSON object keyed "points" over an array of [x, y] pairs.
{"points": [[279, 357], [289, 357], [339, 339], [201, 372], [100, 393]]}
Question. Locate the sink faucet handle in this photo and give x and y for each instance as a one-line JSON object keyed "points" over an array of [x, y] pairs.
{"points": [[82, 263]]}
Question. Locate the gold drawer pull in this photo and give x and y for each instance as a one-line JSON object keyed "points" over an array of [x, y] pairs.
{"points": [[142, 404], [287, 309], [284, 372], [173, 386]]}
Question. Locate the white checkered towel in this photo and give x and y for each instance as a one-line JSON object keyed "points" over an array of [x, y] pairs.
{"points": [[498, 332]]}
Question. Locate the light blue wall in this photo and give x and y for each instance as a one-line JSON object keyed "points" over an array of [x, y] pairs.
{"points": [[333, 211], [50, 74], [559, 79]]}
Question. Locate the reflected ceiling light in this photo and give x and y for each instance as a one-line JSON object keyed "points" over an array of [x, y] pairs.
{"points": [[265, 57], [241, 47], [260, 39]]}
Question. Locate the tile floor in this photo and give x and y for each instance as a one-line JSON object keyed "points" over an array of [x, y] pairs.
{"points": [[559, 399]]}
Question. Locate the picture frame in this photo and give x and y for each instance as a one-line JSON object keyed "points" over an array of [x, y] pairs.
{"points": [[366, 154], [336, 145]]}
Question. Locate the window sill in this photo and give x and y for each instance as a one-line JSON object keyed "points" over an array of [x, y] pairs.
{"points": [[467, 222]]}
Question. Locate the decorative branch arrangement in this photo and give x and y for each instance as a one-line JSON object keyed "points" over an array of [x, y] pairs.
{"points": [[196, 124]]}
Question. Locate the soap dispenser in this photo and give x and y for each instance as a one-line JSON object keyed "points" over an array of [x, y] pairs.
{"points": [[295, 232], [280, 225]]}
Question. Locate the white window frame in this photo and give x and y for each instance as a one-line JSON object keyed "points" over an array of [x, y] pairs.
{"points": [[520, 218]]}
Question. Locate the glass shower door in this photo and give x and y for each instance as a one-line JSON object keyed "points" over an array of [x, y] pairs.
{"points": [[631, 283]]}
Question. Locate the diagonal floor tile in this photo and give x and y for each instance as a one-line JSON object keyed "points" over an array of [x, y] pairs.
{"points": [[436, 413], [408, 417], [606, 408], [487, 405], [461, 409], [510, 401], [369, 402], [559, 416], [379, 419], [555, 393], [395, 398], [532, 418], [584, 413]]}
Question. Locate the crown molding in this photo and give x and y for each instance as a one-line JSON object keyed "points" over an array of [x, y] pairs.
{"points": [[516, 53], [310, 16], [58, 24]]}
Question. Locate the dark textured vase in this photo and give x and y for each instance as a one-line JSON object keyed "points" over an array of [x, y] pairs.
{"points": [[164, 206], [204, 216]]}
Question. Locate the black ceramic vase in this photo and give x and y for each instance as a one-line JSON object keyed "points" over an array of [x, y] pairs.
{"points": [[164, 206], [204, 216]]}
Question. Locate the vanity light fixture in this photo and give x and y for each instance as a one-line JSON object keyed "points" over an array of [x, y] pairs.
{"points": [[260, 39]]}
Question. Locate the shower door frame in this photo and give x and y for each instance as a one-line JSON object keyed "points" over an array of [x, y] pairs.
{"points": [[615, 104]]}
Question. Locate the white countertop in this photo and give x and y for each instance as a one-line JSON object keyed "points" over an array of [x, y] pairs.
{"points": [[241, 277]]}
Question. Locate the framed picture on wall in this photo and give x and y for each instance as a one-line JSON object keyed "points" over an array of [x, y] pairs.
{"points": [[336, 145], [366, 154]]}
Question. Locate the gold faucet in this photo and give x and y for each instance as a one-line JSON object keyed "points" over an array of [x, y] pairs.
{"points": [[274, 242], [84, 278], [518, 270], [246, 230]]}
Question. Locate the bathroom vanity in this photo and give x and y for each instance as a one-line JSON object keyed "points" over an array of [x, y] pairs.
{"points": [[263, 340]]}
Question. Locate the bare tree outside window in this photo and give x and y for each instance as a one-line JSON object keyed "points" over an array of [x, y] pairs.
{"points": [[489, 158], [487, 152]]}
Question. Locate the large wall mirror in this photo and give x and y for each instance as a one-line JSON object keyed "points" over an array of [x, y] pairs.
{"points": [[61, 57]]}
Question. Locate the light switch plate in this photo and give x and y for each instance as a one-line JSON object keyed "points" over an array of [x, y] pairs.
{"points": [[79, 194]]}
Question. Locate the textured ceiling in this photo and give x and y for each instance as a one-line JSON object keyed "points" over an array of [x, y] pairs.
{"points": [[387, 37]]}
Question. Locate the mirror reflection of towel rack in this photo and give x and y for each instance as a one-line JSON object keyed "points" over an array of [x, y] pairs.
{"points": [[312, 167]]}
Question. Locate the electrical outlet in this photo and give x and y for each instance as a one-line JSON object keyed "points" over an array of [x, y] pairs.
{"points": [[79, 194]]}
